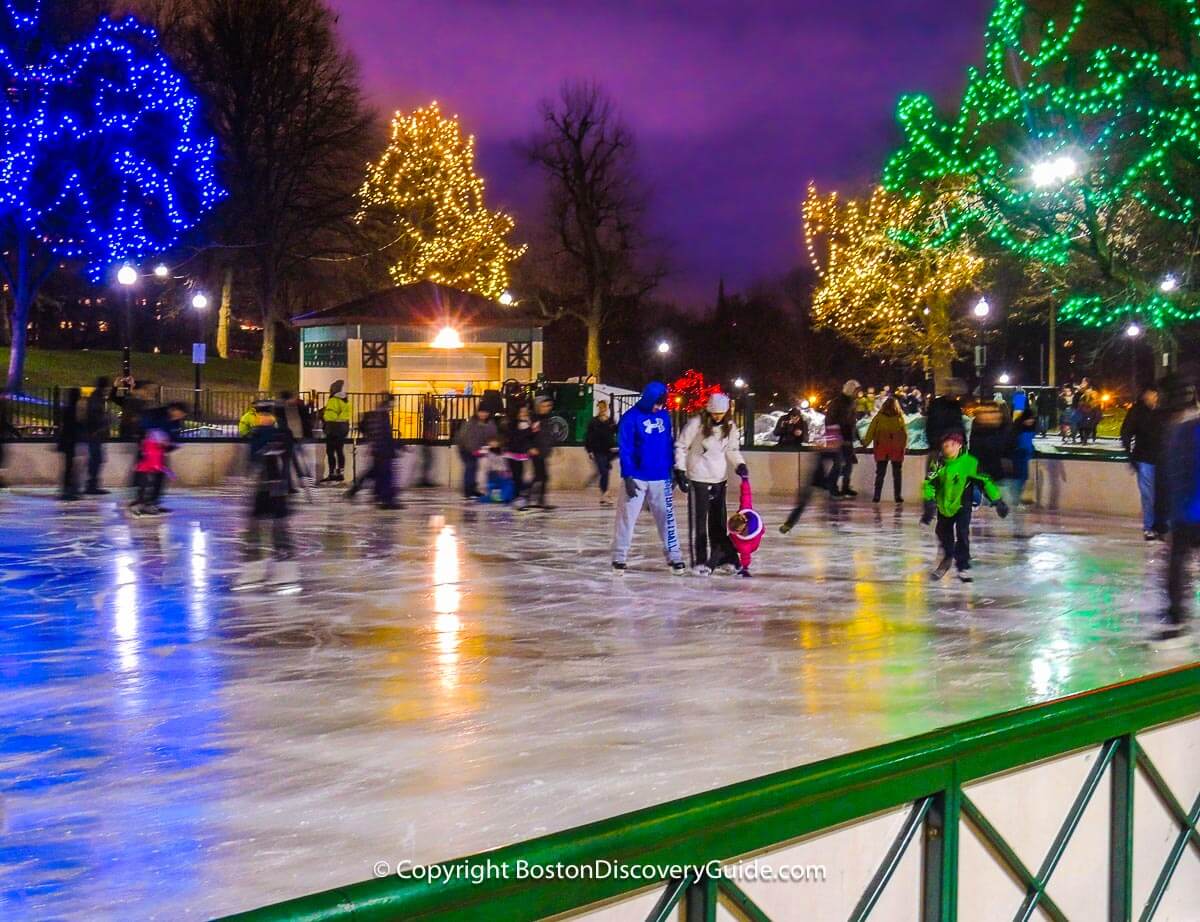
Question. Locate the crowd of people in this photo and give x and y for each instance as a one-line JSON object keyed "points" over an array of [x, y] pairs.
{"points": [[980, 453]]}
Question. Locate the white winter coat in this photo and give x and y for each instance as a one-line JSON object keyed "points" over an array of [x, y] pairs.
{"points": [[707, 460]]}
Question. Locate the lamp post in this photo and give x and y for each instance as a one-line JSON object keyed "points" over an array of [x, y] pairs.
{"points": [[127, 277], [1133, 332], [664, 349], [981, 310], [199, 305]]}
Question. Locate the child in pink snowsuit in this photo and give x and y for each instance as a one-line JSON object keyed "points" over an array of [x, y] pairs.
{"points": [[745, 528], [149, 472]]}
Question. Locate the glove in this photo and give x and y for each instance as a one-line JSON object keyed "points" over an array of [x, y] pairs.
{"points": [[930, 509], [1002, 509], [631, 487], [681, 481], [742, 471]]}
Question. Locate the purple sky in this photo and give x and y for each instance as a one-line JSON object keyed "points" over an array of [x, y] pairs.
{"points": [[735, 105]]}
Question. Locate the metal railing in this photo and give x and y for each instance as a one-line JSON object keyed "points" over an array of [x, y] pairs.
{"points": [[927, 773]]}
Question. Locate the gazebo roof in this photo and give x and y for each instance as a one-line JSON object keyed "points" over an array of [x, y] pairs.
{"points": [[420, 304]]}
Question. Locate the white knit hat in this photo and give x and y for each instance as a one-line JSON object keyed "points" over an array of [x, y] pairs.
{"points": [[718, 403]]}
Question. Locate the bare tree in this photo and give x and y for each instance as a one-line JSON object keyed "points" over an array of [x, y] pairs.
{"points": [[284, 98], [591, 259]]}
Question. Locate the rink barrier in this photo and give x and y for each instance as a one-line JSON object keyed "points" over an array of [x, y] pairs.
{"points": [[926, 773]]}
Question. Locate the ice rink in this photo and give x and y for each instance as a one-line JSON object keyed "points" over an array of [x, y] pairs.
{"points": [[188, 727]]}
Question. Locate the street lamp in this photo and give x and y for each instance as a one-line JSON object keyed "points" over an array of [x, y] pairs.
{"points": [[664, 347], [1133, 331], [1168, 284], [739, 383], [1004, 378], [199, 303], [507, 299], [161, 271], [982, 308], [1047, 173], [127, 277]]}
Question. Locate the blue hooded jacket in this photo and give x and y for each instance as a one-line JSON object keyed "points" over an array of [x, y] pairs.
{"points": [[644, 437], [1182, 480]]}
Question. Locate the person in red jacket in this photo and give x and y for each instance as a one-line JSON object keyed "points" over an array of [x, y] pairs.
{"points": [[745, 528], [888, 432]]}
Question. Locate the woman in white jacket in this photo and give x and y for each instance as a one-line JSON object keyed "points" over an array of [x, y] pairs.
{"points": [[704, 452]]}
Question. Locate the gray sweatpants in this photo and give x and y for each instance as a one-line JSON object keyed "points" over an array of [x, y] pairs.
{"points": [[657, 495]]}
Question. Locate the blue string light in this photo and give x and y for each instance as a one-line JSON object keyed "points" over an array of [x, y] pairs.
{"points": [[104, 155]]}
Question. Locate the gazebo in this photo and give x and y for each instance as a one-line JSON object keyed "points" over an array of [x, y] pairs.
{"points": [[422, 338]]}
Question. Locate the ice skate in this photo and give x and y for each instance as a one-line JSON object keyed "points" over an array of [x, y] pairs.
{"points": [[726, 569], [700, 569], [678, 567], [941, 569], [619, 566], [965, 576]]}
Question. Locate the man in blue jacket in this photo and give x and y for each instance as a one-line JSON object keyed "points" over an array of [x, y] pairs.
{"points": [[646, 447], [1182, 481]]}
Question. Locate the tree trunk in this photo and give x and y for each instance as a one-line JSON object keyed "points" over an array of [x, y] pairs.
{"points": [[268, 352], [23, 293], [224, 312], [1052, 345], [594, 328]]}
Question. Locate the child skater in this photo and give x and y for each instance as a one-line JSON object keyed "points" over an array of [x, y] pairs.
{"points": [[149, 472], [745, 528], [946, 487]]}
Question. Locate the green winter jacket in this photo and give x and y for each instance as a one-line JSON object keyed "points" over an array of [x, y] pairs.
{"points": [[948, 480], [337, 410]]}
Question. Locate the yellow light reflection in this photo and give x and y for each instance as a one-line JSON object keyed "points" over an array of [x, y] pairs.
{"points": [[446, 597]]}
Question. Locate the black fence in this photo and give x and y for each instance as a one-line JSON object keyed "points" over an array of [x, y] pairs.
{"points": [[215, 414]]}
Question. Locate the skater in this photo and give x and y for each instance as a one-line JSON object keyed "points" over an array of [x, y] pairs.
{"points": [[706, 448], [71, 426], [840, 414], [1142, 436], [376, 427], [336, 419], [945, 416], [947, 495], [248, 421], [745, 528], [1022, 433], [295, 419], [539, 453], [149, 472], [644, 446], [1181, 485], [890, 437], [989, 443], [96, 425], [167, 422], [824, 476], [518, 440], [473, 437], [601, 446], [269, 455], [431, 418]]}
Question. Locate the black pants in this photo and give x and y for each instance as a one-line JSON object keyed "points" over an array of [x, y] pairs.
{"points": [[427, 466], [897, 478], [149, 488], [70, 475], [335, 452], [824, 478], [94, 463], [603, 462], [541, 477], [470, 473], [516, 467], [954, 535], [1185, 540], [708, 507]]}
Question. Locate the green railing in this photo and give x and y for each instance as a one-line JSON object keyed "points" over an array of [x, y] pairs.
{"points": [[928, 772]]}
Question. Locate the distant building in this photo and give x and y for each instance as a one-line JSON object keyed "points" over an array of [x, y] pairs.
{"points": [[422, 338]]}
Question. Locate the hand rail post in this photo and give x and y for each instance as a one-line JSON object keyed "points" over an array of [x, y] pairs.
{"points": [[939, 897], [700, 903], [1120, 839]]}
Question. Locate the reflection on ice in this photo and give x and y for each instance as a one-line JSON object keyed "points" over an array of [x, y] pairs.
{"points": [[434, 682]]}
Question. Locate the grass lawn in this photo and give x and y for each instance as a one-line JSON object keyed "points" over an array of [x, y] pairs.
{"points": [[45, 368]]}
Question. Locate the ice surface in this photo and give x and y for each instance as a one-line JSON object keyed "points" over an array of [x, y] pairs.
{"points": [[428, 683]]}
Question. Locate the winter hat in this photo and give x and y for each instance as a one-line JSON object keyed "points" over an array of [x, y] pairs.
{"points": [[717, 403], [337, 387], [954, 437]]}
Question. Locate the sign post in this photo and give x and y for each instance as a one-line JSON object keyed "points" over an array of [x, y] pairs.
{"points": [[198, 356]]}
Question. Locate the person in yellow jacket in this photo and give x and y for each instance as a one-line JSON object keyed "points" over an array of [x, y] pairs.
{"points": [[337, 430], [248, 421]]}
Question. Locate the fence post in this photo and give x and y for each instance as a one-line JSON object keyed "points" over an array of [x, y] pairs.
{"points": [[1120, 840], [939, 890], [748, 416], [700, 902]]}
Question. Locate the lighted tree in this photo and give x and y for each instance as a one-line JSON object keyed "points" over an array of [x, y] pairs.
{"points": [[889, 297], [104, 155], [426, 192], [1078, 139], [690, 392]]}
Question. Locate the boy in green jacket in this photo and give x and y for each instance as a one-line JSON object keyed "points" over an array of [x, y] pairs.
{"points": [[947, 494]]}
